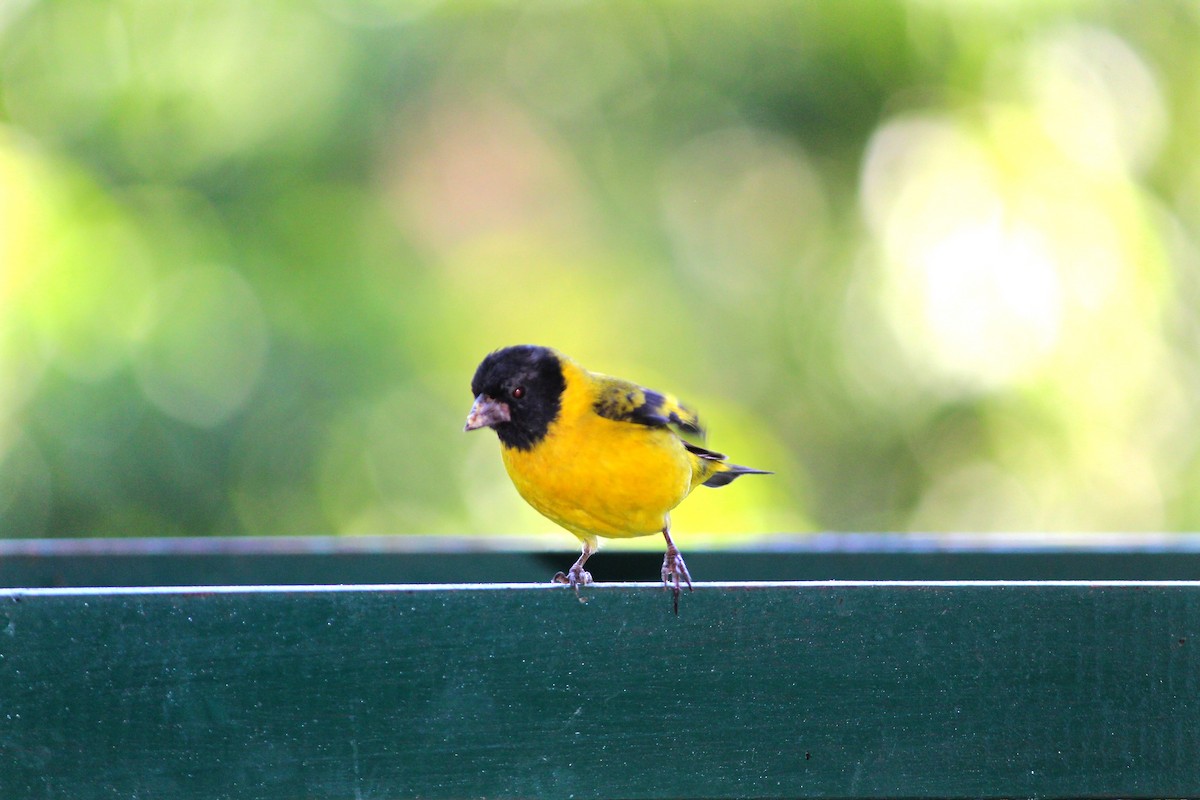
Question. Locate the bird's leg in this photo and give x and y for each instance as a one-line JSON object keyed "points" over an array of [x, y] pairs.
{"points": [[577, 576], [673, 568]]}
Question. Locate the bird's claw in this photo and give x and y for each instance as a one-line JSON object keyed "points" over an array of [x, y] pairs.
{"points": [[674, 570], [575, 577]]}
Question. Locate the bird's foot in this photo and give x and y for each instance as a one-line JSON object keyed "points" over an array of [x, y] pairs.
{"points": [[673, 571], [575, 577]]}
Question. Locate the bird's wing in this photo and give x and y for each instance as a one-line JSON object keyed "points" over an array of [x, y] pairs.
{"points": [[703, 453], [627, 402]]}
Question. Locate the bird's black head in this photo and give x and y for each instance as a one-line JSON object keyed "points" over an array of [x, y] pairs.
{"points": [[518, 393]]}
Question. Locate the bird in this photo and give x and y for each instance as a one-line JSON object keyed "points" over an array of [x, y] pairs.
{"points": [[599, 456]]}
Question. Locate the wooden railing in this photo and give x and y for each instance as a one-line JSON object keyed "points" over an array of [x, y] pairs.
{"points": [[812, 688]]}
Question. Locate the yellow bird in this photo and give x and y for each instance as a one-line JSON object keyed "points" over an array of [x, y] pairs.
{"points": [[597, 455]]}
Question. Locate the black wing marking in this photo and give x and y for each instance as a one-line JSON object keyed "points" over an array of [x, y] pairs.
{"points": [[627, 402]]}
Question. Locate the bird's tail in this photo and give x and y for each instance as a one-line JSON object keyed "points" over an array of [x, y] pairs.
{"points": [[713, 470], [730, 472]]}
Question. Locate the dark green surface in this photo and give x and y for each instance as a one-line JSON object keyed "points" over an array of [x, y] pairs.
{"points": [[361, 560], [862, 690]]}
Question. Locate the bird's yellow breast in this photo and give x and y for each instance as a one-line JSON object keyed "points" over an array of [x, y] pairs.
{"points": [[599, 477]]}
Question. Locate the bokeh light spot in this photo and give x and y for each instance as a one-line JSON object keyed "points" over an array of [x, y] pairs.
{"points": [[971, 289], [205, 345], [1096, 97], [741, 207]]}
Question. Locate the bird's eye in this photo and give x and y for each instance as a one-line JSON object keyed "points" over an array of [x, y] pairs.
{"points": [[518, 392]]}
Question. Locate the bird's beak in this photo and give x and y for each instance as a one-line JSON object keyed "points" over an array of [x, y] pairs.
{"points": [[485, 412]]}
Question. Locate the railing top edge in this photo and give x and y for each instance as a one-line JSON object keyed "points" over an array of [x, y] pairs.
{"points": [[104, 591], [802, 542]]}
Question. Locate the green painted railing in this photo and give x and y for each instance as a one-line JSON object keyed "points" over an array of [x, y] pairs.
{"points": [[407, 559], [800, 689]]}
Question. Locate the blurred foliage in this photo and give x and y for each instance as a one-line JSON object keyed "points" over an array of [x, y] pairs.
{"points": [[934, 263]]}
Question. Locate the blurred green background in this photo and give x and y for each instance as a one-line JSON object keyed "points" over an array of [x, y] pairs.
{"points": [[934, 263]]}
